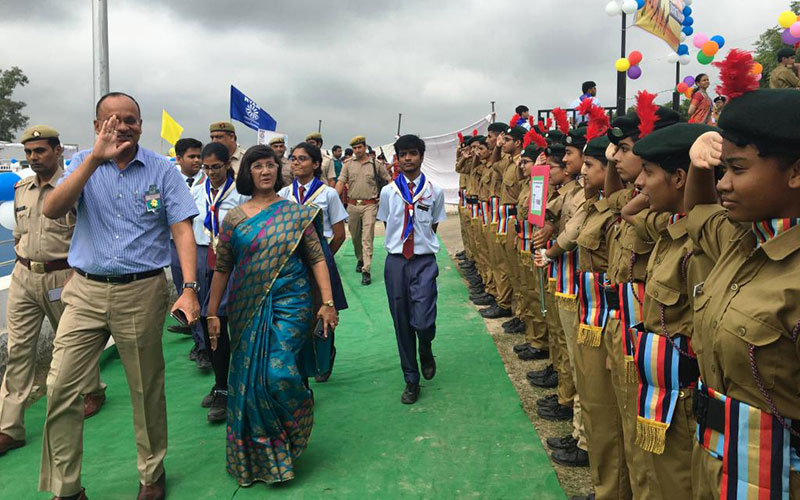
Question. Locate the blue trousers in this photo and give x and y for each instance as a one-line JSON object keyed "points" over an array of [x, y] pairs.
{"points": [[177, 278], [412, 293]]}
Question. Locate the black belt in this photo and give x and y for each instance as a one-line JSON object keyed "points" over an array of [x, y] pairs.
{"points": [[511, 210], [473, 200], [612, 297], [119, 279]]}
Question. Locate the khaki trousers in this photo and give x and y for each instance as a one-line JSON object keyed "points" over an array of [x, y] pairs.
{"points": [[500, 263], [361, 223], [508, 244], [463, 218], [568, 314], [489, 250], [671, 471], [558, 350], [627, 393], [478, 243], [133, 314], [536, 333], [28, 304]]}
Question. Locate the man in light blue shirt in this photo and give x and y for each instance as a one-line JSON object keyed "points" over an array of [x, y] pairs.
{"points": [[589, 90], [411, 208], [129, 201]]}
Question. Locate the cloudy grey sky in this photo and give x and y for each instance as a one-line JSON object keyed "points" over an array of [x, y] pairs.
{"points": [[354, 64]]}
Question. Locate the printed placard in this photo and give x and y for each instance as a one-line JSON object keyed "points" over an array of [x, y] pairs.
{"points": [[540, 177]]}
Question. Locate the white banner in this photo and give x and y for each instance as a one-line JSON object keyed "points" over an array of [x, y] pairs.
{"points": [[264, 136]]}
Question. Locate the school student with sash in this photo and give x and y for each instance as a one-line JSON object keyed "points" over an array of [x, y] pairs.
{"points": [[411, 208]]}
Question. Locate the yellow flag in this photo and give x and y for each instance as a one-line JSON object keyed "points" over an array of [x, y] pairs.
{"points": [[170, 129]]}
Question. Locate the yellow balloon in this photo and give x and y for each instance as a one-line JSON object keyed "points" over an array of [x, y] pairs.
{"points": [[787, 19], [171, 152], [623, 64]]}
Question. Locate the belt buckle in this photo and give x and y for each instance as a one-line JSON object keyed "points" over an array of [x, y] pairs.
{"points": [[38, 267], [359, 202]]}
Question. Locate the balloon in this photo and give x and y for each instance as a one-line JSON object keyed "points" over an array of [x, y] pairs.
{"points": [[171, 151], [699, 40], [613, 8], [787, 18], [788, 38], [622, 64], [634, 72], [688, 30], [25, 172], [7, 215], [688, 21], [672, 57], [758, 77], [689, 81], [13, 160], [719, 39], [710, 48], [682, 87], [757, 68], [703, 58], [687, 11], [630, 6], [683, 36], [67, 162], [639, 4], [683, 49], [7, 181], [795, 29], [635, 58], [684, 59], [689, 92], [687, 2]]}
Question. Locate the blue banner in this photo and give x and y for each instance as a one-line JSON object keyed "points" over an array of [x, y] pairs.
{"points": [[247, 111]]}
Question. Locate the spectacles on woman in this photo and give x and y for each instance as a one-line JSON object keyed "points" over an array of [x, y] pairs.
{"points": [[216, 167]]}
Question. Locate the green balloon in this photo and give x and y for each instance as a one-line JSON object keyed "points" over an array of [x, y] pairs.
{"points": [[704, 59]]}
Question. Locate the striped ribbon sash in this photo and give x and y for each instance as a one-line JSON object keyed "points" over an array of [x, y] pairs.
{"points": [[504, 219], [756, 451], [462, 198], [475, 210], [494, 205], [567, 279], [592, 308], [712, 440], [631, 308], [524, 236], [485, 212], [659, 363], [552, 269]]}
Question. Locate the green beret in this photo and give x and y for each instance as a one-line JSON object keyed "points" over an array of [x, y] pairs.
{"points": [[556, 149], [498, 127], [596, 148], [38, 132], [222, 127], [555, 137], [576, 138], [669, 146], [359, 139], [532, 151], [314, 136], [766, 118], [277, 140], [785, 52], [516, 133]]}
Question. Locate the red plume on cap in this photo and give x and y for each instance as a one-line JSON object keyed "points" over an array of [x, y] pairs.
{"points": [[736, 74], [460, 138], [541, 127], [549, 124], [514, 120], [646, 111], [561, 120], [530, 121], [474, 132], [599, 122], [534, 137], [585, 106]]}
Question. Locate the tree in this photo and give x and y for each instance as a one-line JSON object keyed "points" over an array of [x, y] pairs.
{"points": [[11, 117], [767, 46]]}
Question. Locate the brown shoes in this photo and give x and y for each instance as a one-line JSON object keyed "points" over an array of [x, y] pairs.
{"points": [[92, 403], [81, 496], [156, 491], [8, 443]]}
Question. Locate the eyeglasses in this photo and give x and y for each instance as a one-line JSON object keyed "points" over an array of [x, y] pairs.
{"points": [[299, 159], [258, 167], [214, 167]]}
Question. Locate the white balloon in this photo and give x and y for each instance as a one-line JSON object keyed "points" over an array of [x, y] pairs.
{"points": [[630, 6], [7, 215], [25, 172], [673, 57], [613, 8], [685, 59], [683, 36], [687, 2]]}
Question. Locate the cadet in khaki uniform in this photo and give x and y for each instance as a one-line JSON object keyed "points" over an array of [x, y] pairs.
{"points": [[463, 165], [327, 167], [225, 133], [784, 76], [747, 312], [36, 282], [674, 268], [483, 290], [359, 175], [278, 144]]}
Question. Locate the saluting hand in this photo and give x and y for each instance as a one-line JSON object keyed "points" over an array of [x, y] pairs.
{"points": [[106, 146], [706, 153], [611, 150]]}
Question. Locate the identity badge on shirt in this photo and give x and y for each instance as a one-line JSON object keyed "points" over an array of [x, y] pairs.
{"points": [[152, 199]]}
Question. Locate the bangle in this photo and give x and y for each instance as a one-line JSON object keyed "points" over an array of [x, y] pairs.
{"points": [[212, 317]]}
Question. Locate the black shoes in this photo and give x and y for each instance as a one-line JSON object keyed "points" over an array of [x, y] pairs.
{"points": [[462, 255], [494, 311], [219, 406], [366, 279], [513, 327], [428, 365], [359, 266], [410, 394], [573, 457], [532, 353], [533, 374], [546, 382], [206, 403], [521, 347], [550, 400], [483, 300], [555, 413], [203, 360], [563, 443]]}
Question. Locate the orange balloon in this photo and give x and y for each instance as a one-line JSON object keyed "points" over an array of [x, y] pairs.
{"points": [[710, 48], [689, 92], [757, 68]]}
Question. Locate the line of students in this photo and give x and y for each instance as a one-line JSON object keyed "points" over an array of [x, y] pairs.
{"points": [[673, 252]]}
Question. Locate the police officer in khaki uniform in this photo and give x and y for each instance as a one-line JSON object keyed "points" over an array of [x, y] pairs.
{"points": [[328, 168], [278, 144], [364, 179], [225, 133], [41, 270]]}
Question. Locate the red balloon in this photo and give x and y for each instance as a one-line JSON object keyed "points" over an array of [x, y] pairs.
{"points": [[635, 57], [682, 87]]}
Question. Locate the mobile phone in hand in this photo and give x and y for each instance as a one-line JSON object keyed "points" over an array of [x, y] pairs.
{"points": [[180, 317], [319, 330]]}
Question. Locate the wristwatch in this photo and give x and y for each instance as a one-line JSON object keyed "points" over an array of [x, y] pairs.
{"points": [[193, 285], [328, 303]]}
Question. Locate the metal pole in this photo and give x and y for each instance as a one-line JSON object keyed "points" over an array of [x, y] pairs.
{"points": [[100, 46], [621, 77], [676, 97], [319, 128], [399, 121], [493, 114]]}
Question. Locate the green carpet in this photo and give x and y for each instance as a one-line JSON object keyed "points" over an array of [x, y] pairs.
{"points": [[466, 437]]}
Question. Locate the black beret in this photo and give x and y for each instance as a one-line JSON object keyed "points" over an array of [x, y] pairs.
{"points": [[576, 138], [555, 137], [785, 52], [498, 127], [669, 147], [532, 151], [628, 125], [556, 149], [516, 133], [596, 148], [766, 118]]}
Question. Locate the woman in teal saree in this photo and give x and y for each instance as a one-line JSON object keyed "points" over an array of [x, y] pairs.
{"points": [[267, 247]]}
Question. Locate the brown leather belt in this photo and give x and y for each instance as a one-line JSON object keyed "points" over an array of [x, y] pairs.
{"points": [[362, 202], [43, 267]]}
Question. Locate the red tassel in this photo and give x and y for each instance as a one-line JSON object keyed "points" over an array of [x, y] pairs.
{"points": [[562, 123], [646, 111], [534, 137], [474, 132], [460, 138], [736, 75]]}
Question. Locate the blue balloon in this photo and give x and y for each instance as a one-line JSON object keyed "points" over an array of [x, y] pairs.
{"points": [[13, 160], [687, 11], [683, 49], [719, 39], [688, 30], [688, 21], [639, 4], [67, 162], [7, 181]]}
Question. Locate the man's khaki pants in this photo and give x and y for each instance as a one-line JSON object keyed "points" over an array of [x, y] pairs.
{"points": [[558, 351], [362, 230], [28, 303], [133, 314]]}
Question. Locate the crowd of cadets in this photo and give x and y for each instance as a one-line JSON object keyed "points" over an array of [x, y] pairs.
{"points": [[671, 309]]}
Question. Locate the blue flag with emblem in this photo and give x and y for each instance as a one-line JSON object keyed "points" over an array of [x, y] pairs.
{"points": [[247, 111]]}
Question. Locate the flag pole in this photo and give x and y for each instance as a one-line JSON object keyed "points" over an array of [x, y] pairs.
{"points": [[493, 115], [319, 128], [399, 121], [100, 48]]}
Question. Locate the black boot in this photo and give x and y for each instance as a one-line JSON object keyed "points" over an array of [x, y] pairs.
{"points": [[555, 413], [573, 457], [494, 312], [533, 353]]}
